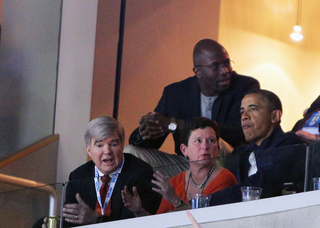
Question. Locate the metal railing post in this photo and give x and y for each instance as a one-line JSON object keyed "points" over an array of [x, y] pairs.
{"points": [[33, 184]]}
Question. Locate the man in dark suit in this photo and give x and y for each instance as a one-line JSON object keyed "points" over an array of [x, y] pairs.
{"points": [[272, 159], [84, 204], [214, 92]]}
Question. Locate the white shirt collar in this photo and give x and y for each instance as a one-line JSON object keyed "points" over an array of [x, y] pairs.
{"points": [[118, 170], [253, 168], [206, 105]]}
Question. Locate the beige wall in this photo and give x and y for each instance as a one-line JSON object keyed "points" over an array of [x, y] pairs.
{"points": [[158, 44], [105, 57], [77, 42], [256, 33]]}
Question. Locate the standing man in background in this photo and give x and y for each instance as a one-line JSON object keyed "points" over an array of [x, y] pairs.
{"points": [[214, 92]]}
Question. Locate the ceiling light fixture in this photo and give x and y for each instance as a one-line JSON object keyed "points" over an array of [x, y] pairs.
{"points": [[296, 35]]}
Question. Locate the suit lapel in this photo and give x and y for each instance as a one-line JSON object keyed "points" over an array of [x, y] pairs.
{"points": [[216, 107], [218, 112], [194, 99], [116, 198], [89, 189], [116, 208], [244, 166]]}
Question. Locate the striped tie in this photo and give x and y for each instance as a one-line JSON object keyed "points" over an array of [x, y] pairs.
{"points": [[103, 193]]}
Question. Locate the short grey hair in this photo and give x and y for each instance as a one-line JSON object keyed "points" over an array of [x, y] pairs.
{"points": [[103, 127]]}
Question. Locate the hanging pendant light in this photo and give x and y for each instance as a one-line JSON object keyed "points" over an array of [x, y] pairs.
{"points": [[297, 35]]}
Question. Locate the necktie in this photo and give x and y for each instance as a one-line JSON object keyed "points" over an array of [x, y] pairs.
{"points": [[103, 192], [104, 188]]}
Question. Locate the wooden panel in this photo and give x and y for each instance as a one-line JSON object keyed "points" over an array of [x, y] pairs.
{"points": [[28, 150]]}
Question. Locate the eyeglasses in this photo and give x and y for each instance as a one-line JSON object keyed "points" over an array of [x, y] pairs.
{"points": [[217, 65]]}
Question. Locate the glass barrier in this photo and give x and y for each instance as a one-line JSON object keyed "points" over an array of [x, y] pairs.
{"points": [[313, 164], [277, 171], [280, 171], [26, 207], [107, 201]]}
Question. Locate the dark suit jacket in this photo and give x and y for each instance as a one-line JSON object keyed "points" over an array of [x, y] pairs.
{"points": [[182, 101], [278, 162], [135, 172]]}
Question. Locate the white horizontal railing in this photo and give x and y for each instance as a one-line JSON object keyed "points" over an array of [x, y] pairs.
{"points": [[37, 186], [294, 211]]}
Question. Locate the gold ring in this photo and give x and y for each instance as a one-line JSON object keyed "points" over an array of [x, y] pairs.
{"points": [[162, 186]]}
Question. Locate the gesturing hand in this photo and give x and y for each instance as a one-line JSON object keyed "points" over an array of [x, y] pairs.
{"points": [[165, 188], [79, 213], [133, 202]]}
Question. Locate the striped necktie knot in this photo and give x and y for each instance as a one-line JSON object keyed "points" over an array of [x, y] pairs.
{"points": [[104, 188]]}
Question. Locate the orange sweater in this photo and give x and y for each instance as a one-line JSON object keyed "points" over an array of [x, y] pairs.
{"points": [[224, 180]]}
